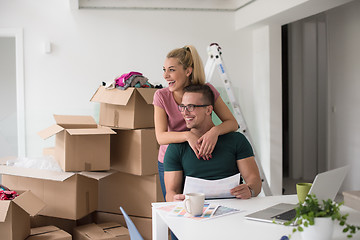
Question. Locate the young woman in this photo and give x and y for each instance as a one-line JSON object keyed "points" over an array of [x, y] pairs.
{"points": [[183, 67]]}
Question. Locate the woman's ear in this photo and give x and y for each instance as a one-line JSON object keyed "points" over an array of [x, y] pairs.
{"points": [[188, 71]]}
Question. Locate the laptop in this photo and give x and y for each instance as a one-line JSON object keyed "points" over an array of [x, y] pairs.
{"points": [[325, 186]]}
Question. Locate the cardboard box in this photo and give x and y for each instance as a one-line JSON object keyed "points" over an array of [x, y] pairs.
{"points": [[104, 231], [80, 145], [352, 199], [48, 233], [134, 193], [66, 195], [67, 225], [15, 215], [143, 225], [131, 108], [134, 151], [49, 151]]}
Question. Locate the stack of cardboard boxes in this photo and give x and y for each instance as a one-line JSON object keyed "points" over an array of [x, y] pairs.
{"points": [[15, 215], [133, 154], [71, 194], [104, 166]]}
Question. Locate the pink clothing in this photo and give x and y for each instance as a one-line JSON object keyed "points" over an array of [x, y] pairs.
{"points": [[120, 81], [163, 98]]}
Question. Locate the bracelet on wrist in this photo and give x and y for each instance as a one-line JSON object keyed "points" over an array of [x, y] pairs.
{"points": [[251, 191]]}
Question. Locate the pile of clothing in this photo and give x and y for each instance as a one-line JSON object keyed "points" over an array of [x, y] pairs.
{"points": [[131, 79], [7, 194]]}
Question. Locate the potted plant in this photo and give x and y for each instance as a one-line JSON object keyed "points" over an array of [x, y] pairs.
{"points": [[315, 220]]}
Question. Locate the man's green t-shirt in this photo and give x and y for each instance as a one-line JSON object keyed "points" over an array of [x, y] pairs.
{"points": [[229, 148]]}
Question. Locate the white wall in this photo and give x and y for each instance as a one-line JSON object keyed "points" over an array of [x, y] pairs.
{"points": [[91, 46], [344, 79], [251, 21]]}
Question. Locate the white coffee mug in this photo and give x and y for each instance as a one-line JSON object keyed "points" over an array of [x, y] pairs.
{"points": [[194, 203]]}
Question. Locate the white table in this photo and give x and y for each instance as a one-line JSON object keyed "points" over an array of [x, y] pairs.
{"points": [[235, 226]]}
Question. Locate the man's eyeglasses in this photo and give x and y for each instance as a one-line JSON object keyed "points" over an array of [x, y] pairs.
{"points": [[190, 107]]}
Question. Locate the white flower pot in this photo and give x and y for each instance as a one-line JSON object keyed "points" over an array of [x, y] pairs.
{"points": [[321, 230]]}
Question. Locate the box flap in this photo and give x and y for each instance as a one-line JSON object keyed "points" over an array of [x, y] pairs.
{"points": [[147, 94], [3, 160], [50, 131], [91, 131], [43, 230], [107, 225], [103, 231], [98, 175], [72, 121], [29, 202], [35, 173], [4, 207], [114, 229], [118, 231], [50, 151], [112, 96], [92, 231]]}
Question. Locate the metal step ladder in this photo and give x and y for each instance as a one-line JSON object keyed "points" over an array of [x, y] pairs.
{"points": [[215, 61]]}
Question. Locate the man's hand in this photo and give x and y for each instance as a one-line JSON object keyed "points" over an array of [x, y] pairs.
{"points": [[179, 197], [242, 191], [173, 184]]}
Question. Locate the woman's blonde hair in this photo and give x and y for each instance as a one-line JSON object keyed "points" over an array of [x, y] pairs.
{"points": [[189, 57]]}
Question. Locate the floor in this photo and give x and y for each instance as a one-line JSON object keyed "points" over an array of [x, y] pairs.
{"points": [[289, 187]]}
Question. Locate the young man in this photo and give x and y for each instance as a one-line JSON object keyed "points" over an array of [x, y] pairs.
{"points": [[231, 155]]}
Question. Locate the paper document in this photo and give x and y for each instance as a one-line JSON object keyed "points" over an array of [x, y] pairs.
{"points": [[210, 211], [223, 210], [212, 188]]}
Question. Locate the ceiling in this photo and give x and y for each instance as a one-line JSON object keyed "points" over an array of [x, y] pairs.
{"points": [[195, 5]]}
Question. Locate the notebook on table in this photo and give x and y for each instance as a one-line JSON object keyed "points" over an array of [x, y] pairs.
{"points": [[325, 186]]}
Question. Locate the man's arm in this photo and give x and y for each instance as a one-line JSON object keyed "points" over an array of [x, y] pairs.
{"points": [[250, 172], [173, 184]]}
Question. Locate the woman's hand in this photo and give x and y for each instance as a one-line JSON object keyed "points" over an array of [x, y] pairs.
{"points": [[207, 143], [192, 139]]}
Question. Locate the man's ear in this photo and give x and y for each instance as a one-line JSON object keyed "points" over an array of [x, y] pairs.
{"points": [[188, 71], [209, 109]]}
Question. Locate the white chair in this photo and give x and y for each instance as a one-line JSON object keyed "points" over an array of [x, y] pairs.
{"points": [[134, 233]]}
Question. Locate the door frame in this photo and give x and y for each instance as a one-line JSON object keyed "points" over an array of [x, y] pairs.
{"points": [[17, 33]]}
